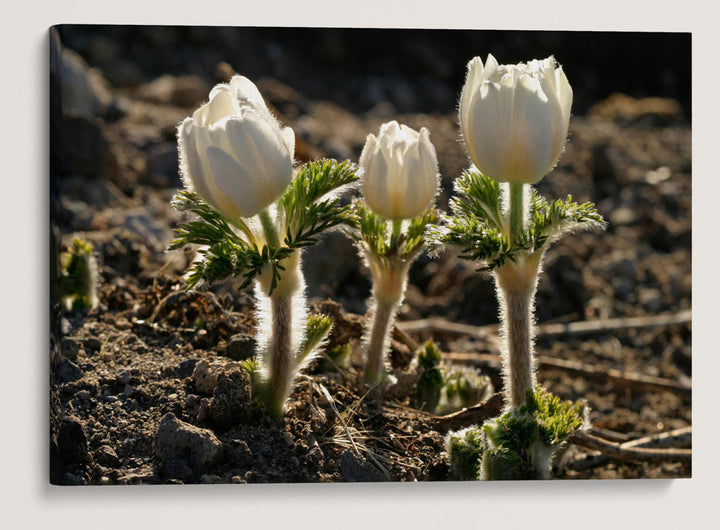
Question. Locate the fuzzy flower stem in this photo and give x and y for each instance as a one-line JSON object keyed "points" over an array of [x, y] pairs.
{"points": [[389, 282], [516, 284], [517, 209], [517, 329], [379, 339], [280, 346], [280, 353]]}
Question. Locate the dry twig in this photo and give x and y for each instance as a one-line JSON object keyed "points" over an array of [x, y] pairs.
{"points": [[475, 415], [440, 326], [630, 451], [676, 439], [619, 377]]}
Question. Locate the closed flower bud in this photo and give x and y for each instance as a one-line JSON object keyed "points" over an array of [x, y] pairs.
{"points": [[401, 171], [234, 153], [514, 118]]}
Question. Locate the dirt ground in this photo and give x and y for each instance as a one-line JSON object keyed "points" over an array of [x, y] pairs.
{"points": [[152, 361]]}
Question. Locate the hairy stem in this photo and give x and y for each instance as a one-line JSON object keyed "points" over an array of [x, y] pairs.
{"points": [[379, 339], [517, 328], [280, 353], [516, 286]]}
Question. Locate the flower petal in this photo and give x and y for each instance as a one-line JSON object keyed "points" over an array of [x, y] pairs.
{"points": [[261, 149], [221, 106], [473, 79], [531, 136], [191, 167], [240, 191]]}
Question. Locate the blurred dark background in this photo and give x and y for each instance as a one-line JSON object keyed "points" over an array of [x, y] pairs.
{"points": [[415, 70]]}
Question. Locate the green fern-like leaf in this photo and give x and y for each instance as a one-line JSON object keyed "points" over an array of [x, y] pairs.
{"points": [[479, 229], [478, 196], [228, 245], [316, 329], [310, 203], [375, 232]]}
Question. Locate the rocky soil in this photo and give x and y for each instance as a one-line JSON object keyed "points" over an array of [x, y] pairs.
{"points": [[147, 388]]}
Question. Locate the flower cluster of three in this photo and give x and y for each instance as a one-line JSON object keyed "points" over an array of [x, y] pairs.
{"points": [[514, 121]]}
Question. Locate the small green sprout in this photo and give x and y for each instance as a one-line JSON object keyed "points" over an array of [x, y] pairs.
{"points": [[442, 390], [79, 276]]}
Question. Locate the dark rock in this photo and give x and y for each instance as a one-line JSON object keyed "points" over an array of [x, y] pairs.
{"points": [[69, 348], [72, 445], [123, 377], [93, 344], [356, 469], [229, 405], [150, 230], [240, 454], [626, 268], [106, 456], [68, 371], [71, 479], [622, 288], [177, 440], [177, 469], [186, 368], [241, 347]]}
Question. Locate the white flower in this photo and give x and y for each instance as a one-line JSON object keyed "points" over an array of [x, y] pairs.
{"points": [[234, 153], [400, 171], [514, 118]]}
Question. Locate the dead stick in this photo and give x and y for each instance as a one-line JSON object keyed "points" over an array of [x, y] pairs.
{"points": [[475, 415], [620, 377], [621, 452], [402, 337], [437, 325], [676, 438]]}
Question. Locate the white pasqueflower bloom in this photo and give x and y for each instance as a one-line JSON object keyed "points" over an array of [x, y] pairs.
{"points": [[400, 171], [234, 153], [514, 118]]}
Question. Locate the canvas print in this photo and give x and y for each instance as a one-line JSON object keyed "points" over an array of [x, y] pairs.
{"points": [[287, 255]]}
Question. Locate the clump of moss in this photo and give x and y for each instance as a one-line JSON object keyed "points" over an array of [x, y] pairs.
{"points": [[518, 445], [466, 448]]}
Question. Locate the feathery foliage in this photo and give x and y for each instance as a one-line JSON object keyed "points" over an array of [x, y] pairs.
{"points": [[316, 329], [465, 449], [375, 233], [229, 247], [480, 227], [517, 445]]}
